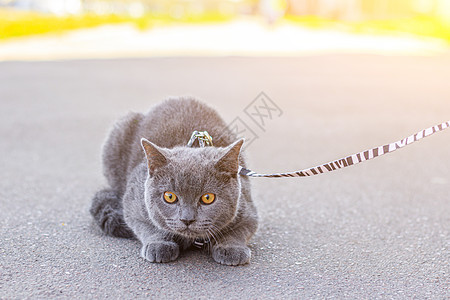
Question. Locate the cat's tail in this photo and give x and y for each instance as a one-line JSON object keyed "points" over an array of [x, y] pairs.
{"points": [[106, 208]]}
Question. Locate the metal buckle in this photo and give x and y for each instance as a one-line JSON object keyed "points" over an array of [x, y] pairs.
{"points": [[204, 139]]}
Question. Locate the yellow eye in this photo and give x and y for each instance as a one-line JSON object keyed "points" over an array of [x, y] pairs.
{"points": [[208, 198], [170, 197]]}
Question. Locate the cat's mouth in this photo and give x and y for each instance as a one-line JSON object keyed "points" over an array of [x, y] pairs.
{"points": [[189, 232]]}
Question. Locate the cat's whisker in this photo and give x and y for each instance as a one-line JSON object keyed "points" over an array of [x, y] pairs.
{"points": [[219, 236], [217, 231], [237, 233], [210, 234], [214, 238]]}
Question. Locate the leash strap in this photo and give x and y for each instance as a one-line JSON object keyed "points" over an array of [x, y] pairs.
{"points": [[353, 159]]}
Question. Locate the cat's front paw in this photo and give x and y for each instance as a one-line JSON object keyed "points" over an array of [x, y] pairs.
{"points": [[231, 255], [160, 252]]}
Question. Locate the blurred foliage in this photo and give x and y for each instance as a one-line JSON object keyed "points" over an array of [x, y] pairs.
{"points": [[14, 23], [419, 25]]}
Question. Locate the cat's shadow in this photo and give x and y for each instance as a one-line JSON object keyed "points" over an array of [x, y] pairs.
{"points": [[189, 256]]}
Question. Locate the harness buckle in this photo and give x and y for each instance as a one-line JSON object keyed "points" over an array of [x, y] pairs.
{"points": [[204, 139]]}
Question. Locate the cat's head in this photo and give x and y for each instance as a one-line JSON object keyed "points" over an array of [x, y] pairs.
{"points": [[192, 192]]}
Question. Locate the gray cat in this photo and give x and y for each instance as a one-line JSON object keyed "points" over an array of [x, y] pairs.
{"points": [[171, 196]]}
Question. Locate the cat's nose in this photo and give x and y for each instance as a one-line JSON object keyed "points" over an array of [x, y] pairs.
{"points": [[187, 221]]}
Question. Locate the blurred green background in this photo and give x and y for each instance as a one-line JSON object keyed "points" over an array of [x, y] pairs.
{"points": [[419, 17]]}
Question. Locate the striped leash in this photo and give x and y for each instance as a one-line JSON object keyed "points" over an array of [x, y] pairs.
{"points": [[204, 138], [353, 159]]}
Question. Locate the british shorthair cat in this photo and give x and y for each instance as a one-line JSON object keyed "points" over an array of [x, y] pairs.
{"points": [[171, 196]]}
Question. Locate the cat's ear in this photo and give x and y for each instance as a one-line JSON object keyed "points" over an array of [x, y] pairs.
{"points": [[155, 159], [229, 163]]}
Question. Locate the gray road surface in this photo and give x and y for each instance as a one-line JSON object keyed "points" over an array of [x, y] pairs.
{"points": [[377, 230]]}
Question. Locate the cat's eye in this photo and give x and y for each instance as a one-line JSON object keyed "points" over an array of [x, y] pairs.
{"points": [[208, 198], [170, 197]]}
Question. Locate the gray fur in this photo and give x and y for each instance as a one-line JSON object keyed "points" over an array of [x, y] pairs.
{"points": [[146, 155]]}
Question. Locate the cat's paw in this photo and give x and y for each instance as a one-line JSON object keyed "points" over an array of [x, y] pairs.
{"points": [[231, 255], [160, 252]]}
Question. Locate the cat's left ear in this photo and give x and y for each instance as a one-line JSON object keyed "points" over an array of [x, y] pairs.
{"points": [[229, 163], [155, 159]]}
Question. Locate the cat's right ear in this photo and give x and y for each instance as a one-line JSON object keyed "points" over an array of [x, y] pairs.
{"points": [[229, 163], [155, 159]]}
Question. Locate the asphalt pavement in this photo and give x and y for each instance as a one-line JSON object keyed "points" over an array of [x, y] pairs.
{"points": [[377, 230]]}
